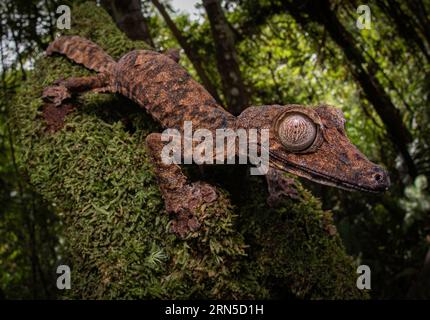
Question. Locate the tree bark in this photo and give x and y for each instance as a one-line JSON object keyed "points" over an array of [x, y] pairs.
{"points": [[321, 13], [129, 18], [227, 61], [189, 51]]}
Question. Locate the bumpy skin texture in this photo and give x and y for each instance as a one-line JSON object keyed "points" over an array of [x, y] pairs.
{"points": [[333, 160], [160, 85]]}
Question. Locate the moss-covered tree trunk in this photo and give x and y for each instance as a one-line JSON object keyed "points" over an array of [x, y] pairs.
{"points": [[95, 171]]}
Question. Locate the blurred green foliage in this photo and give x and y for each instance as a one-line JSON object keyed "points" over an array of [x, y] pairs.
{"points": [[417, 201]]}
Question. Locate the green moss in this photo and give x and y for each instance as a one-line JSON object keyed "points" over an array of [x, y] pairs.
{"points": [[298, 249], [96, 173]]}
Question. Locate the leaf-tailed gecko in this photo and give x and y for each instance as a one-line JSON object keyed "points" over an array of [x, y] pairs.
{"points": [[309, 142]]}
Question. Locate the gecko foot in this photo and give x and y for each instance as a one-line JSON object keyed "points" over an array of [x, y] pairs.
{"points": [[280, 186], [56, 94], [186, 204]]}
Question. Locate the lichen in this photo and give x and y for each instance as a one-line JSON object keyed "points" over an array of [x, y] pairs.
{"points": [[96, 173]]}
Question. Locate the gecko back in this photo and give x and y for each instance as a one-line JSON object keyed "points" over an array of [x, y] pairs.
{"points": [[153, 80]]}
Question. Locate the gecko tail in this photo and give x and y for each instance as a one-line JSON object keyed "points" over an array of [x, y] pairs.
{"points": [[84, 52]]}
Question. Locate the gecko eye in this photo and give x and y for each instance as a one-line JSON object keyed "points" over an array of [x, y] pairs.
{"points": [[297, 132]]}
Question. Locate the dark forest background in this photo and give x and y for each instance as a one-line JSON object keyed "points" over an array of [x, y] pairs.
{"points": [[254, 52]]}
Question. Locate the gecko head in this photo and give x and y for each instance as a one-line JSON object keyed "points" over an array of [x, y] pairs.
{"points": [[312, 143]]}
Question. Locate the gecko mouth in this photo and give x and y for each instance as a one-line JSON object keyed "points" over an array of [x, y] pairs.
{"points": [[322, 178]]}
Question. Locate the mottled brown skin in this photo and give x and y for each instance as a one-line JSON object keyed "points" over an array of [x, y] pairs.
{"points": [[333, 160], [169, 94]]}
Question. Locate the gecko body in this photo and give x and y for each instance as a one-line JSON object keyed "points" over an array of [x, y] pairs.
{"points": [[308, 142]]}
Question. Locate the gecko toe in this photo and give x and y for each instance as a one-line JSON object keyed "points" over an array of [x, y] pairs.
{"points": [[56, 94], [187, 207], [280, 186]]}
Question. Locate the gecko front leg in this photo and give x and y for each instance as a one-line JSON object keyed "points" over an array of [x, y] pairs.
{"points": [[181, 197], [64, 89], [279, 186]]}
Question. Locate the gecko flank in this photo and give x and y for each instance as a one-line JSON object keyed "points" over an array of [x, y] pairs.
{"points": [[308, 142]]}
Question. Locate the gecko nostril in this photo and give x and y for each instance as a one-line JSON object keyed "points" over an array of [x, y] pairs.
{"points": [[380, 178]]}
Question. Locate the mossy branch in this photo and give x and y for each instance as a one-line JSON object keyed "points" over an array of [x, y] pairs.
{"points": [[96, 173]]}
